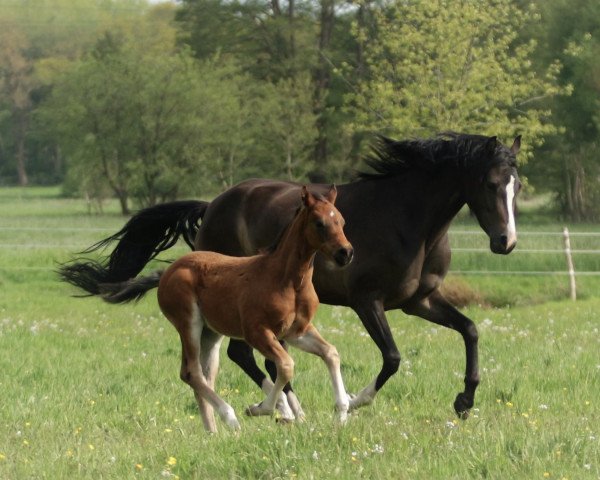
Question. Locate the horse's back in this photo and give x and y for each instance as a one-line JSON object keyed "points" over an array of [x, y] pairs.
{"points": [[248, 217]]}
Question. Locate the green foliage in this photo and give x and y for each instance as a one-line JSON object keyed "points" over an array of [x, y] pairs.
{"points": [[568, 165], [129, 118], [290, 128], [38, 41], [436, 66]]}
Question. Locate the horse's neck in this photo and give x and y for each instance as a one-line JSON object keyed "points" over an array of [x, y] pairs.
{"points": [[444, 201], [293, 258], [426, 204]]}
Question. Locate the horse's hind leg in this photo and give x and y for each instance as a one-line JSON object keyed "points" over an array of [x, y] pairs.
{"points": [[312, 342], [266, 343]]}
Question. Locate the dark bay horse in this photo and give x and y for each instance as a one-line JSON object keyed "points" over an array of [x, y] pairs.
{"points": [[262, 299], [398, 216]]}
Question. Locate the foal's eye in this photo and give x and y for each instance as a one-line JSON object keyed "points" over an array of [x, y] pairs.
{"points": [[320, 224]]}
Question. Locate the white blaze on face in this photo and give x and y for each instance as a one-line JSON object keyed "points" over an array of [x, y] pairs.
{"points": [[511, 228], [332, 214]]}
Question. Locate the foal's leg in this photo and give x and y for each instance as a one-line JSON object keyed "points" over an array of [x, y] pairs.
{"points": [[288, 391], [437, 309], [209, 360], [190, 331], [241, 353], [312, 342], [266, 343]]}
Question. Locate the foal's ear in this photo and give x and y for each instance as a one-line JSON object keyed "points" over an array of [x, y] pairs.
{"points": [[516, 146], [307, 198], [331, 195]]}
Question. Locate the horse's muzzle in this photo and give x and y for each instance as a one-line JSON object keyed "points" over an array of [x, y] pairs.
{"points": [[343, 256], [502, 245]]}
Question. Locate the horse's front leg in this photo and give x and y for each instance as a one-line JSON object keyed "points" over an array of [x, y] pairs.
{"points": [[437, 309], [372, 315]]}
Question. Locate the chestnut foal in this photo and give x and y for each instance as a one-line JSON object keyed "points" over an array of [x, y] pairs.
{"points": [[262, 299]]}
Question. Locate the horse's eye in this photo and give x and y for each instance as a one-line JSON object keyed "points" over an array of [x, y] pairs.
{"points": [[320, 224], [491, 186]]}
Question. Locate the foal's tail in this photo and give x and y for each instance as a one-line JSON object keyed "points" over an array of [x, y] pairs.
{"points": [[144, 236], [130, 290]]}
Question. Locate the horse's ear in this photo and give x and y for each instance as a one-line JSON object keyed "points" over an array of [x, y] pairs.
{"points": [[516, 146], [490, 145], [331, 195], [307, 198]]}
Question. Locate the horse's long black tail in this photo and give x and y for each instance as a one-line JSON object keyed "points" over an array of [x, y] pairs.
{"points": [[129, 290], [146, 234]]}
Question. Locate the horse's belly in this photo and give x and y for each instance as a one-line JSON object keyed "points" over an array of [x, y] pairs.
{"points": [[407, 290]]}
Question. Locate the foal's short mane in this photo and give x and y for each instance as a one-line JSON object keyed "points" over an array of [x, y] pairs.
{"points": [[474, 153]]}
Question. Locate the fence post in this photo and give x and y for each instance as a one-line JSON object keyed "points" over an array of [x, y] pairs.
{"points": [[571, 269]]}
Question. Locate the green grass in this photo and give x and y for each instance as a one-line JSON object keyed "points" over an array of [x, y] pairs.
{"points": [[91, 390]]}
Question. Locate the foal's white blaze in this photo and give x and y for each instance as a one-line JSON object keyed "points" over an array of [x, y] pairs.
{"points": [[332, 214], [511, 228]]}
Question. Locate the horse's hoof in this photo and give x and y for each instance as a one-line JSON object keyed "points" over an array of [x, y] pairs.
{"points": [[462, 406]]}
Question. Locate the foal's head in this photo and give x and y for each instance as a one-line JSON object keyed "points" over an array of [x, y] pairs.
{"points": [[324, 226]]}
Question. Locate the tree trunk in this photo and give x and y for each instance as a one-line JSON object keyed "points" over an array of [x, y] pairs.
{"points": [[323, 77], [292, 39], [123, 201], [20, 131]]}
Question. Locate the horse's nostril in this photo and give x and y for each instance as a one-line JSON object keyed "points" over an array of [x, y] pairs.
{"points": [[503, 240]]}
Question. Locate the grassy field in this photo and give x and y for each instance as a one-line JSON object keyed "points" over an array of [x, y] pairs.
{"points": [[91, 390]]}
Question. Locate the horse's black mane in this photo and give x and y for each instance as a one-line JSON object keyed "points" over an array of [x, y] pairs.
{"points": [[476, 153]]}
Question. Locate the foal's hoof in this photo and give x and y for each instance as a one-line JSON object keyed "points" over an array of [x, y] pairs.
{"points": [[284, 420], [257, 410], [462, 405]]}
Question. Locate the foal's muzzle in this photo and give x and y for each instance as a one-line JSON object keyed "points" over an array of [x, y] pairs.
{"points": [[344, 256]]}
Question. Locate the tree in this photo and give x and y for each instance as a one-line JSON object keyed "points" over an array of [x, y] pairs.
{"points": [[568, 164], [282, 43], [290, 128], [16, 85], [452, 65], [36, 44], [129, 118]]}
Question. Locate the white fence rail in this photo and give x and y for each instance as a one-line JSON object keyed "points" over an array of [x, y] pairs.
{"points": [[455, 235]]}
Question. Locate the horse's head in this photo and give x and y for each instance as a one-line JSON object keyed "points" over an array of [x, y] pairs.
{"points": [[325, 226], [492, 195]]}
